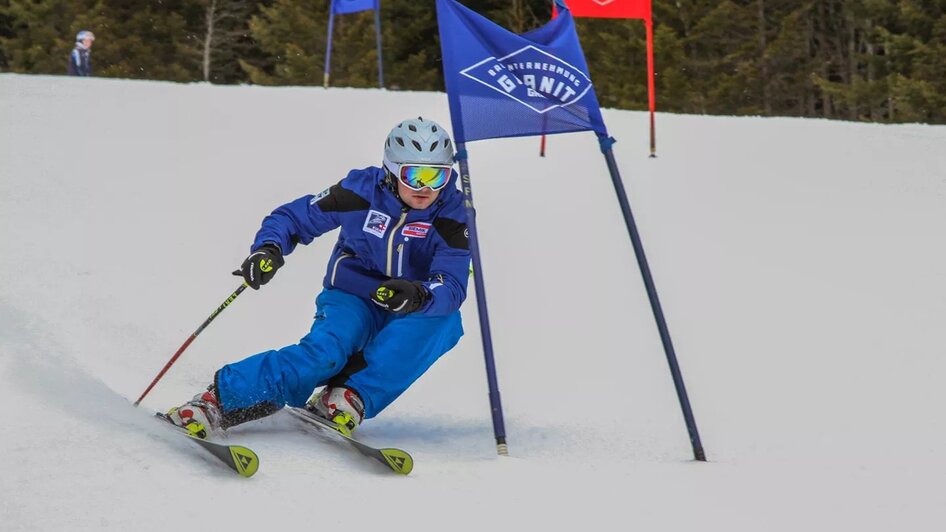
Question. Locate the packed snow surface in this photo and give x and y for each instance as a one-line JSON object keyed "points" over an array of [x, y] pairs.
{"points": [[800, 264]]}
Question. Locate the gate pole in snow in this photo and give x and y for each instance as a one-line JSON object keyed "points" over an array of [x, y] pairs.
{"points": [[496, 407], [377, 30], [328, 44], [606, 144]]}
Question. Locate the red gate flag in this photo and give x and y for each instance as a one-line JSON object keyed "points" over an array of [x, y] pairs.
{"points": [[610, 8], [638, 9]]}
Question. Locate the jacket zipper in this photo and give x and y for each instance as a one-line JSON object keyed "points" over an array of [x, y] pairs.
{"points": [[400, 222], [400, 258]]}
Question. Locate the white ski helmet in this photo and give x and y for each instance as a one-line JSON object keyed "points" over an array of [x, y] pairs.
{"points": [[84, 34], [417, 141]]}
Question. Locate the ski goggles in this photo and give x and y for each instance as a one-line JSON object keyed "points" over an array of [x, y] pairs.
{"points": [[420, 176]]}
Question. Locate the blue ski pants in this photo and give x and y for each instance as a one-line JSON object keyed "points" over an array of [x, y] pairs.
{"points": [[352, 343]]}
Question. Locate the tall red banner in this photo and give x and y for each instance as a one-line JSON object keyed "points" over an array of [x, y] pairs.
{"points": [[610, 8]]}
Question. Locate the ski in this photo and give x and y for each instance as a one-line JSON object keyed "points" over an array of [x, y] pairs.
{"points": [[238, 458], [397, 460]]}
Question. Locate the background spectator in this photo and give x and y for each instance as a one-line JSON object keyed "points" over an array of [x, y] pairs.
{"points": [[80, 62]]}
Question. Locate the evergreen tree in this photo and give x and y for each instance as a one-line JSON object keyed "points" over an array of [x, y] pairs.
{"points": [[225, 39], [6, 32], [291, 35], [411, 45], [151, 41], [616, 52]]}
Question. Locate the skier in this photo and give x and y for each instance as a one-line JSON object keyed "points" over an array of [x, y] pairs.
{"points": [[80, 64], [389, 307]]}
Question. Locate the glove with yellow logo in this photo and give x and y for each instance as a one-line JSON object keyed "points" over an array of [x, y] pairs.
{"points": [[400, 296], [261, 266]]}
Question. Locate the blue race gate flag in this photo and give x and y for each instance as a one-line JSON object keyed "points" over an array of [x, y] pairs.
{"points": [[343, 7], [501, 84]]}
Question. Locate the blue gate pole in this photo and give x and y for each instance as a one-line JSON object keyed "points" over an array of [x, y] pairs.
{"points": [[496, 407], [377, 29], [606, 143], [328, 46]]}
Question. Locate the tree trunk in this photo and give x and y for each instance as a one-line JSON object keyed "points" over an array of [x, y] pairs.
{"points": [[852, 65], [763, 62], [891, 106], [810, 94], [517, 20], [871, 74], [209, 37], [823, 55]]}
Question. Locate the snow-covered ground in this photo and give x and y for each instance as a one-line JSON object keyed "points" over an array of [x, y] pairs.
{"points": [[800, 264]]}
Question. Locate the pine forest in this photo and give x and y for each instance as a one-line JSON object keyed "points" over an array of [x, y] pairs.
{"points": [[859, 60]]}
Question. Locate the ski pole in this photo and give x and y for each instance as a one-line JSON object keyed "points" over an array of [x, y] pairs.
{"points": [[200, 329]]}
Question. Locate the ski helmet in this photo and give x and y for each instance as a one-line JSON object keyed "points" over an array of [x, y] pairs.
{"points": [[84, 34], [417, 141]]}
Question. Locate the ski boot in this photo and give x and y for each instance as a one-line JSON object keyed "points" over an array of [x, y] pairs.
{"points": [[340, 405], [200, 416]]}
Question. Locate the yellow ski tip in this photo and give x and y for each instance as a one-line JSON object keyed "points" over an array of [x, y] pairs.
{"points": [[399, 461], [245, 460]]}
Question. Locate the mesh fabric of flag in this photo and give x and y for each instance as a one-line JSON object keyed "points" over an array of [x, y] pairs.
{"points": [[343, 7], [502, 84]]}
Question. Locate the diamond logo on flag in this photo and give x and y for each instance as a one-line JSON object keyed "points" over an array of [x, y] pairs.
{"points": [[505, 84], [532, 77], [603, 2]]}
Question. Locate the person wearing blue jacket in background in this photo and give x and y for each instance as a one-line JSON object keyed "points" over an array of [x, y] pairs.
{"points": [[80, 62], [389, 307]]}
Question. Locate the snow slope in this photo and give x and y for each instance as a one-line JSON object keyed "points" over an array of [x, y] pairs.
{"points": [[800, 264]]}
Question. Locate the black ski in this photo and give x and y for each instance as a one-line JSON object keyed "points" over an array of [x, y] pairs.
{"points": [[238, 458], [397, 460]]}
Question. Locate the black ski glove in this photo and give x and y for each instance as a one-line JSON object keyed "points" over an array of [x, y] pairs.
{"points": [[261, 266], [400, 296]]}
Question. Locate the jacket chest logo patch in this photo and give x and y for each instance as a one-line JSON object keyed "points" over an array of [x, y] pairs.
{"points": [[376, 223], [416, 229]]}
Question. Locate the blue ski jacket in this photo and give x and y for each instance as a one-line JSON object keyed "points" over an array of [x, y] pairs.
{"points": [[380, 237], [80, 62]]}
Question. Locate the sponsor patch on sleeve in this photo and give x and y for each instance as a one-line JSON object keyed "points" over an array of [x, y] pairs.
{"points": [[320, 195], [416, 230]]}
